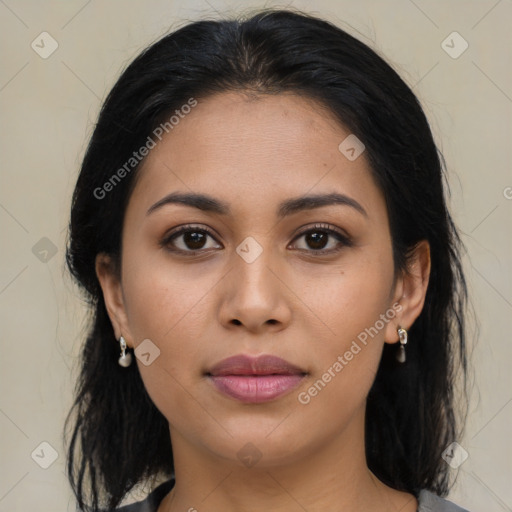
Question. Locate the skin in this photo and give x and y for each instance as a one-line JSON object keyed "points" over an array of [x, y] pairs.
{"points": [[254, 151]]}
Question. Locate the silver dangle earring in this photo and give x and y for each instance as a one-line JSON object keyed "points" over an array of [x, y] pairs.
{"points": [[125, 359], [400, 355]]}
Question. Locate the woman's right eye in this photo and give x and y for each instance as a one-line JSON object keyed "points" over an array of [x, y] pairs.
{"points": [[189, 239]]}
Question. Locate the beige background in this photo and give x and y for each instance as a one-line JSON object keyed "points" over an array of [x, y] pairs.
{"points": [[48, 107]]}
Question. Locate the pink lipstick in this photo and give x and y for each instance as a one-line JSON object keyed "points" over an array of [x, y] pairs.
{"points": [[255, 379]]}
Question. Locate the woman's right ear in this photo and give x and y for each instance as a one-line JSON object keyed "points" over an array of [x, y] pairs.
{"points": [[110, 282]]}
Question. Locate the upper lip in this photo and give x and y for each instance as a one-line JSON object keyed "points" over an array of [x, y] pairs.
{"points": [[249, 365]]}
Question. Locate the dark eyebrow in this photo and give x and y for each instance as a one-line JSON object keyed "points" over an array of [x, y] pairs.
{"points": [[200, 201], [210, 204], [316, 201]]}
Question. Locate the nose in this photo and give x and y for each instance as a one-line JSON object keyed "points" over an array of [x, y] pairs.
{"points": [[254, 296]]}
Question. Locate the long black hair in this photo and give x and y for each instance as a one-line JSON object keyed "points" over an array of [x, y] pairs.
{"points": [[118, 438]]}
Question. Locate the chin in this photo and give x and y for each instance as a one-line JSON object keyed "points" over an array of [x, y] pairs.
{"points": [[261, 445]]}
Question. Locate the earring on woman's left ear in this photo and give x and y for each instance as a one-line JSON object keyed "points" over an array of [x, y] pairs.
{"points": [[125, 359], [402, 335]]}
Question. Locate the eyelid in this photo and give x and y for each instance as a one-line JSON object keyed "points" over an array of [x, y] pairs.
{"points": [[323, 227], [189, 227]]}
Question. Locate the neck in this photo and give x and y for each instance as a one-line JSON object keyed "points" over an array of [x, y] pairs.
{"points": [[332, 477]]}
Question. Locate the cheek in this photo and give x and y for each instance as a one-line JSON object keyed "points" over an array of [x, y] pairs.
{"points": [[346, 363], [161, 298], [167, 307], [351, 305], [167, 310], [353, 298]]}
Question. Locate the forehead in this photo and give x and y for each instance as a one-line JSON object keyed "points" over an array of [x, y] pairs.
{"points": [[254, 148]]}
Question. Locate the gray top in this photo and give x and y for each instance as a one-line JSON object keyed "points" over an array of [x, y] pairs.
{"points": [[428, 502]]}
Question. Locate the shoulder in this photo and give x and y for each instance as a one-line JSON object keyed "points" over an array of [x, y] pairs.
{"points": [[151, 503], [429, 502]]}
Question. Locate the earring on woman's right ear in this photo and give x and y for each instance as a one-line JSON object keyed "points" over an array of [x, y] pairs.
{"points": [[402, 335], [125, 359]]}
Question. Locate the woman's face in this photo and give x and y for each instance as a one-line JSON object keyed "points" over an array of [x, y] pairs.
{"points": [[263, 277]]}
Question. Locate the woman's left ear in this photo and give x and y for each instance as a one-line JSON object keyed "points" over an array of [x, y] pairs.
{"points": [[410, 291]]}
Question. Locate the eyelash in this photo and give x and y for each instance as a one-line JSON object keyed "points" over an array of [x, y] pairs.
{"points": [[325, 228]]}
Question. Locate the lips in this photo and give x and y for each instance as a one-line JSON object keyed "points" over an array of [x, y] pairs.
{"points": [[255, 379], [262, 365]]}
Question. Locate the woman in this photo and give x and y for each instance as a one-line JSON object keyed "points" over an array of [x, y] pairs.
{"points": [[275, 281]]}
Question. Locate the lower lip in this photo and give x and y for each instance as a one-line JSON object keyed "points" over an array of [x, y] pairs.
{"points": [[255, 388]]}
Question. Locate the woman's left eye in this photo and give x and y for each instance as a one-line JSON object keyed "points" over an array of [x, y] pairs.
{"points": [[322, 239]]}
